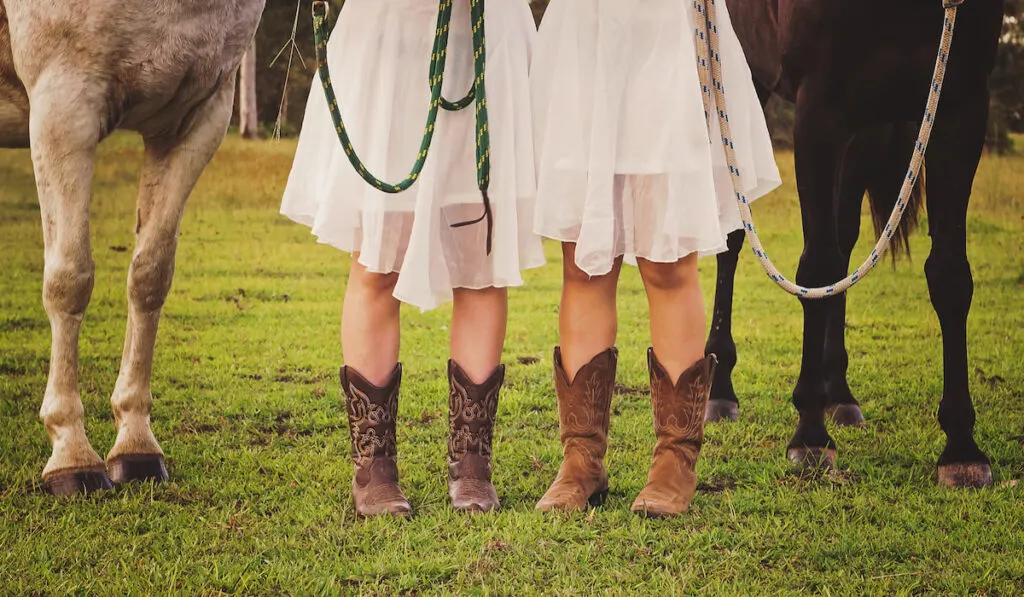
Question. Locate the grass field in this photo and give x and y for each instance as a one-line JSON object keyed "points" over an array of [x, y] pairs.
{"points": [[247, 410]]}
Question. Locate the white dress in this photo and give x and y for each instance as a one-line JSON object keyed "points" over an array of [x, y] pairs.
{"points": [[626, 165], [379, 54]]}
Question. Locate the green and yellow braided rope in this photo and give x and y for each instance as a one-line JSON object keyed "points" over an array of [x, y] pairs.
{"points": [[438, 60]]}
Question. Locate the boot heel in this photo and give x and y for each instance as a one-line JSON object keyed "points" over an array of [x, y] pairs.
{"points": [[598, 498]]}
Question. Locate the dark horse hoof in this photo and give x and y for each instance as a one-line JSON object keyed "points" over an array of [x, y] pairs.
{"points": [[137, 467], [846, 415], [73, 482], [812, 458], [721, 410], [965, 475]]}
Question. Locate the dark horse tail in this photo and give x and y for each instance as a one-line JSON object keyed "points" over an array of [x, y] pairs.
{"points": [[885, 179]]}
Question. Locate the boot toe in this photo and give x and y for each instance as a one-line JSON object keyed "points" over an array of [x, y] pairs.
{"points": [[653, 503], [563, 501], [571, 498], [473, 495], [378, 500], [400, 509]]}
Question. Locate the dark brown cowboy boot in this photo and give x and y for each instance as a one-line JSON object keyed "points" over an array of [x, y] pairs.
{"points": [[583, 411], [371, 424], [472, 409], [679, 427]]}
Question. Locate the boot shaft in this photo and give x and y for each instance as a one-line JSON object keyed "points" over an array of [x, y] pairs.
{"points": [[472, 410], [372, 412], [584, 404], [679, 407]]}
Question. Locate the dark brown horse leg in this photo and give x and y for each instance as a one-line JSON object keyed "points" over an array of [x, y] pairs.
{"points": [[842, 407], [724, 405], [820, 139], [860, 170], [952, 162]]}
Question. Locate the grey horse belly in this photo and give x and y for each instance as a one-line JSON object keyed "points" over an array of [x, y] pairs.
{"points": [[170, 75], [153, 62]]}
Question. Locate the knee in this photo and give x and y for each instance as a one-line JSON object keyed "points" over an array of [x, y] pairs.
{"points": [[481, 298], [572, 274], [669, 276], [374, 284], [149, 280], [67, 285]]}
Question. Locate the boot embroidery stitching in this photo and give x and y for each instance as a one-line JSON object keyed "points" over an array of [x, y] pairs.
{"points": [[364, 418], [686, 418], [465, 414]]}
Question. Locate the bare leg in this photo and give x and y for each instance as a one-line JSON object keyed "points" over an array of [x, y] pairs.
{"points": [[478, 330], [370, 324], [677, 312], [63, 158], [170, 170], [587, 320]]}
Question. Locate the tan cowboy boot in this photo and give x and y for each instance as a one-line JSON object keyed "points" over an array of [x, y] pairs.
{"points": [[679, 427], [472, 409], [583, 410], [371, 424]]}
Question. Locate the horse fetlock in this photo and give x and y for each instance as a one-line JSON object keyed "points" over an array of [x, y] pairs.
{"points": [[131, 407], [838, 392], [722, 345], [811, 431], [722, 389], [962, 449], [61, 413]]}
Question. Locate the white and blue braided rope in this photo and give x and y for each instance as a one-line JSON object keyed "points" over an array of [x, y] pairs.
{"points": [[709, 65]]}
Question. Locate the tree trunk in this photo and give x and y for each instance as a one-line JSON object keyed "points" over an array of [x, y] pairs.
{"points": [[248, 118]]}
